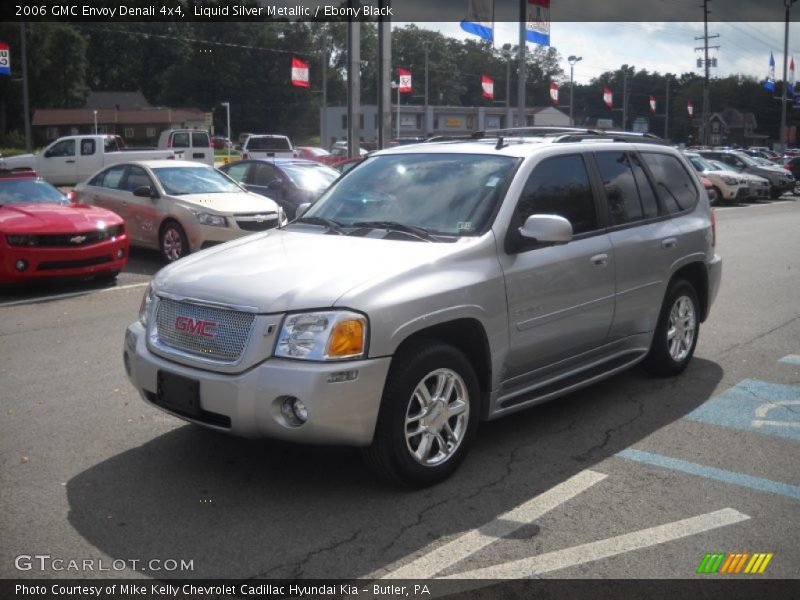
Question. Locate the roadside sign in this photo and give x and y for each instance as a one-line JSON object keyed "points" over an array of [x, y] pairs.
{"points": [[5, 59]]}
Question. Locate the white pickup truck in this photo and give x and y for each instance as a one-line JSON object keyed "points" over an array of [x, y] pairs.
{"points": [[73, 158]]}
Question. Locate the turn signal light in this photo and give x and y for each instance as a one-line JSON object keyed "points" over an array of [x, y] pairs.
{"points": [[347, 339]]}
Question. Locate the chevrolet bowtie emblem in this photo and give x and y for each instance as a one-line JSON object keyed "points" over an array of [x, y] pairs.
{"points": [[78, 239]]}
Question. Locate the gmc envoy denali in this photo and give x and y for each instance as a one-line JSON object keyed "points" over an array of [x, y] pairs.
{"points": [[434, 286]]}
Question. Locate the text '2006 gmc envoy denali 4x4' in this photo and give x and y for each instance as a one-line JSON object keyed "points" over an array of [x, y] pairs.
{"points": [[434, 286]]}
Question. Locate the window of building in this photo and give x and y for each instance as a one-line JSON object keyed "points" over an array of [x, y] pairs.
{"points": [[128, 132], [560, 186], [150, 132], [51, 133]]}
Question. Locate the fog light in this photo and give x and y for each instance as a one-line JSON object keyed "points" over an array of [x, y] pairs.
{"points": [[21, 265], [120, 253], [294, 411]]}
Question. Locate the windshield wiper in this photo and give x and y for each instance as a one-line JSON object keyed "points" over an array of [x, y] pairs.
{"points": [[331, 225], [419, 232]]}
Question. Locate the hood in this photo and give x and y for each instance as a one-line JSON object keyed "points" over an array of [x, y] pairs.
{"points": [[230, 203], [283, 270], [54, 218], [18, 161]]}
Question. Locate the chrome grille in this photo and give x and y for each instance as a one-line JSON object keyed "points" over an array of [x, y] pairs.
{"points": [[205, 331]]}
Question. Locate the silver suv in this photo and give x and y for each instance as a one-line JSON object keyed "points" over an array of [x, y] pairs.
{"points": [[432, 287]]}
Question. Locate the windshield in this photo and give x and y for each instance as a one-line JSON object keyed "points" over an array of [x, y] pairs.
{"points": [[310, 177], [180, 181], [451, 194], [29, 191], [701, 164], [719, 166], [268, 143], [748, 160]]}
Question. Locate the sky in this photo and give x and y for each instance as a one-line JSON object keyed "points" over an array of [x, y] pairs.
{"points": [[664, 47]]}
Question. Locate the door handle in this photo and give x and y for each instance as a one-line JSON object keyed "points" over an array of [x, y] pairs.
{"points": [[69, 161], [599, 260], [669, 242]]}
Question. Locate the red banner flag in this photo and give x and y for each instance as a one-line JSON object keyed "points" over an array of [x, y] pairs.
{"points": [[487, 84], [652, 104], [690, 108], [608, 97], [405, 80], [554, 93], [299, 73]]}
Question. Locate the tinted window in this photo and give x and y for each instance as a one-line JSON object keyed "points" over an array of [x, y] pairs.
{"points": [[180, 140], [87, 147], [313, 177], [111, 145], [111, 178], [646, 193], [267, 143], [237, 172], [674, 184], [263, 174], [560, 186], [136, 178], [63, 148], [622, 195], [199, 139]]}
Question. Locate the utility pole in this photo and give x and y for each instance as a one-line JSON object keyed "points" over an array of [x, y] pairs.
{"points": [[625, 99], [25, 108], [666, 111], [353, 86], [323, 116], [788, 5], [522, 71], [426, 45], [706, 63], [384, 76]]}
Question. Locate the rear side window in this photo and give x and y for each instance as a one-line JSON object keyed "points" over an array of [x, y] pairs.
{"points": [[237, 172], [560, 186], [136, 178], [200, 139], [674, 184], [111, 178], [622, 195]]}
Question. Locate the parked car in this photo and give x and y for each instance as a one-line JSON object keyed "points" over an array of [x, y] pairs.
{"points": [[195, 144], [434, 286], [314, 153], [288, 181], [793, 166], [712, 193], [758, 187], [267, 146], [178, 207], [73, 158], [340, 152], [780, 179], [729, 186], [221, 143], [44, 235]]}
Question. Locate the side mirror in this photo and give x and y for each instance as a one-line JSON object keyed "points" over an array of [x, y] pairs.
{"points": [[301, 210], [546, 229], [145, 191]]}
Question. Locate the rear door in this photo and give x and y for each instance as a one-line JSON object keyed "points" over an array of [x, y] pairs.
{"points": [[201, 150], [143, 215], [645, 241], [104, 190], [560, 298]]}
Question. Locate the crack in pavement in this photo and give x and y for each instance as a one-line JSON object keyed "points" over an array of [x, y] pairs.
{"points": [[756, 338], [607, 434]]}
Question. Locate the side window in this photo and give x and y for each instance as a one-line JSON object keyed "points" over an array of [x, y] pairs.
{"points": [[622, 196], [110, 144], [238, 172], [263, 174], [62, 149], [136, 178], [646, 193], [112, 178], [200, 140], [560, 186], [87, 147], [675, 185], [180, 139]]}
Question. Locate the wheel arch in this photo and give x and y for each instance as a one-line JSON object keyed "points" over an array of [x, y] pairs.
{"points": [[695, 273]]}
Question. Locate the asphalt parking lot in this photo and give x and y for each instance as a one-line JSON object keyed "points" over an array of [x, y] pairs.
{"points": [[633, 478]]}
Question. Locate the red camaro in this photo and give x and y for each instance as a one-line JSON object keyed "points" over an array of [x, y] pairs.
{"points": [[43, 235]]}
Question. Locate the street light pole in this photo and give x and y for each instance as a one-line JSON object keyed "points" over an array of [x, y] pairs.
{"points": [[572, 60], [227, 106], [788, 5], [95, 122]]}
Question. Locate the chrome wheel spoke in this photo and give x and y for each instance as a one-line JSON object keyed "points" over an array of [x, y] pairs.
{"points": [[682, 328], [424, 447]]}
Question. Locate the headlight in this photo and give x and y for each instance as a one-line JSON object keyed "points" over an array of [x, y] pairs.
{"points": [[729, 180], [209, 219], [22, 240], [329, 335], [144, 308]]}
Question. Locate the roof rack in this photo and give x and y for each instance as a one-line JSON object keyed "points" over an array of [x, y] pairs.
{"points": [[575, 134]]}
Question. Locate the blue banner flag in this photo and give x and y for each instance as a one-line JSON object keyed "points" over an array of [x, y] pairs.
{"points": [[480, 19], [769, 84], [537, 25]]}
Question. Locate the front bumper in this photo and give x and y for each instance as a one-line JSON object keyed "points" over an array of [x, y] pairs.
{"points": [[248, 404]]}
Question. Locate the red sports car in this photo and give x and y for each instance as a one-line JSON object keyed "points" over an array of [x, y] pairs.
{"points": [[44, 235]]}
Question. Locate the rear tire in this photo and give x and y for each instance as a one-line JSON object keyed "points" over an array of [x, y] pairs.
{"points": [[676, 333], [173, 241], [428, 415]]}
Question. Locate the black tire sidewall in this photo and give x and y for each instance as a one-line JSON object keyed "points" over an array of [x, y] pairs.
{"points": [[415, 364], [659, 361]]}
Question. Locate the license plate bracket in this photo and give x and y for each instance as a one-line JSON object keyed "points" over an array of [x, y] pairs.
{"points": [[179, 393]]}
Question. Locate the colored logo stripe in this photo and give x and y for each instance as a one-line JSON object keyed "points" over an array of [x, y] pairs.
{"points": [[733, 563]]}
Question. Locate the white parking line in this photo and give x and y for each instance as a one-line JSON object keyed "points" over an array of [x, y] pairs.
{"points": [[71, 295], [438, 560], [772, 203], [568, 557]]}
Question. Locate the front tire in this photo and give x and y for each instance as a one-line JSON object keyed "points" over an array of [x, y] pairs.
{"points": [[173, 241], [428, 415], [676, 334]]}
